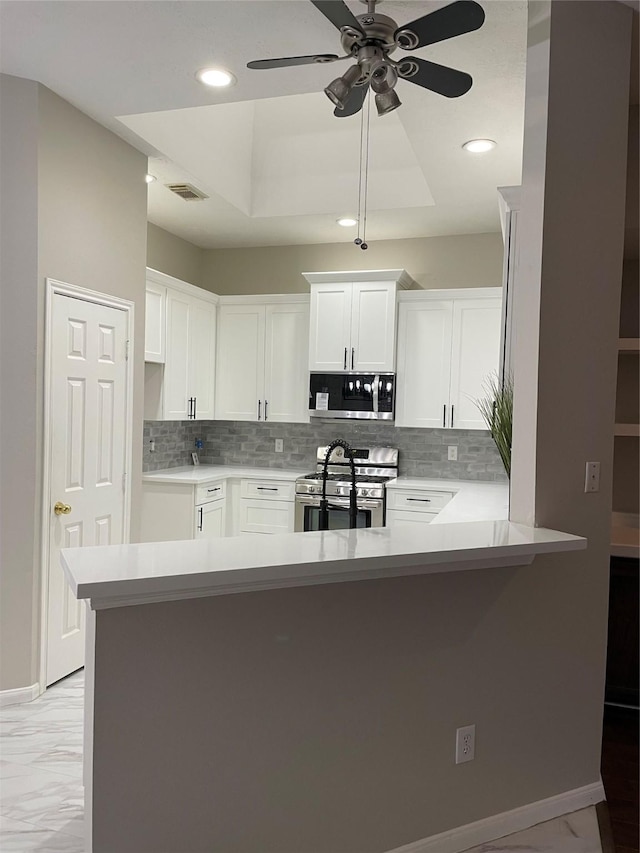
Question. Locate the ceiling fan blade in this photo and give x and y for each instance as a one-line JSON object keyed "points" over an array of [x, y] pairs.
{"points": [[464, 16], [338, 13], [354, 102], [294, 60], [445, 81]]}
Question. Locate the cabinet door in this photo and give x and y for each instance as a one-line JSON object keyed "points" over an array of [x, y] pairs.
{"points": [[210, 520], [373, 327], [286, 380], [474, 357], [424, 364], [202, 357], [258, 516], [154, 322], [176, 371], [240, 363], [330, 327]]}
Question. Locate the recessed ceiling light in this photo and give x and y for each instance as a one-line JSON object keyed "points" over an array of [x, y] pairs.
{"points": [[149, 178], [479, 146], [347, 222], [215, 77]]}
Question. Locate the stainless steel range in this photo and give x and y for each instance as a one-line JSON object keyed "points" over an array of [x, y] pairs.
{"points": [[374, 467]]}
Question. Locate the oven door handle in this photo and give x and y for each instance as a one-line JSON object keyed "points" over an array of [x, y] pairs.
{"points": [[337, 503]]}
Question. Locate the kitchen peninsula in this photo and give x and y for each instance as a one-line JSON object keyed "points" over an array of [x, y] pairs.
{"points": [[244, 698]]}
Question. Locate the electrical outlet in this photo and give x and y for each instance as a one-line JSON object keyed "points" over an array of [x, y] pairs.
{"points": [[592, 477], [152, 446], [452, 453], [279, 445], [465, 744]]}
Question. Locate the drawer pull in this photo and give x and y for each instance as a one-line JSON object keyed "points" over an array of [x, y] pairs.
{"points": [[217, 489], [420, 500], [267, 488]]}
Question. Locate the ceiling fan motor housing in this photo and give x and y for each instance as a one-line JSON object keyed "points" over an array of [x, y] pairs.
{"points": [[378, 31]]}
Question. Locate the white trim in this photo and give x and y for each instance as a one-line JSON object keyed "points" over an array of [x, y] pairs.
{"points": [[19, 695], [61, 288], [184, 286], [401, 277], [266, 299], [497, 826], [453, 293]]}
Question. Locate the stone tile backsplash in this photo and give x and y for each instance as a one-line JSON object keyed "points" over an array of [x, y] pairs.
{"points": [[423, 452]]}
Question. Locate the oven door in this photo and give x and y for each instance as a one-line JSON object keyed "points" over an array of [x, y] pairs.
{"points": [[370, 513]]}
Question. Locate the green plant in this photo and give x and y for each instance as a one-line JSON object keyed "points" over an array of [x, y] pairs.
{"points": [[497, 410]]}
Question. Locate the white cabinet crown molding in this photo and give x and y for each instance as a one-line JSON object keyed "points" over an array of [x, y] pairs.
{"points": [[177, 284], [451, 293], [265, 299], [402, 277]]}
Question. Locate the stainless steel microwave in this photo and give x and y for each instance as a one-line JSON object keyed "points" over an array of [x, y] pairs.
{"points": [[366, 396]]}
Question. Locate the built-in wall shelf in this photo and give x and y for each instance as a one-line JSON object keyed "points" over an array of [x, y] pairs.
{"points": [[625, 534], [627, 429], [629, 345]]}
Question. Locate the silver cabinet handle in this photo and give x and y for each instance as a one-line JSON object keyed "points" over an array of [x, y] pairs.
{"points": [[444, 415], [195, 402], [200, 524], [266, 403], [420, 500], [353, 355], [452, 408], [259, 409], [345, 358]]}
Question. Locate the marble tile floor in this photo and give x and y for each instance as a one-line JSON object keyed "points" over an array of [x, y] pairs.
{"points": [[42, 795]]}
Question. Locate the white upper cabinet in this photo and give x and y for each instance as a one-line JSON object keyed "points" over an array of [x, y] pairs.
{"points": [[475, 353], [424, 363], [182, 389], [262, 348], [154, 322], [447, 347], [353, 320]]}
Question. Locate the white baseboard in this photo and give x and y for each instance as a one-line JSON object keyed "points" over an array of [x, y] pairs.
{"points": [[19, 695], [497, 826]]}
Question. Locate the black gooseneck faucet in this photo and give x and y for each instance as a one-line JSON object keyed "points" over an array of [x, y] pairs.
{"points": [[323, 520]]}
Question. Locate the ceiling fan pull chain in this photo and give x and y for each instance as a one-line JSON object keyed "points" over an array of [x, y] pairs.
{"points": [[358, 240]]}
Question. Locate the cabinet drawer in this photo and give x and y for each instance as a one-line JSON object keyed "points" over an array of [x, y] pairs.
{"points": [[399, 516], [259, 516], [417, 500], [210, 492], [272, 490]]}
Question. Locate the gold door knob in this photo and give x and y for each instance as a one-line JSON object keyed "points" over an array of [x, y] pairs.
{"points": [[61, 509]]}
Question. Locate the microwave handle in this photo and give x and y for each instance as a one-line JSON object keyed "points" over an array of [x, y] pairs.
{"points": [[376, 388]]}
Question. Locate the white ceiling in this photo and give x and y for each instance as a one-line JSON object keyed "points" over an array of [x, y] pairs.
{"points": [[278, 166]]}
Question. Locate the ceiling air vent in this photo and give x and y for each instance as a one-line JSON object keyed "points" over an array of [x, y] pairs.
{"points": [[187, 192]]}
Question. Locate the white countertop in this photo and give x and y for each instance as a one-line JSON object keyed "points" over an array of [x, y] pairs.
{"points": [[120, 575], [473, 500], [194, 475]]}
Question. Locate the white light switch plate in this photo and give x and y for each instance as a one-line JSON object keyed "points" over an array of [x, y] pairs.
{"points": [[279, 445], [592, 477], [452, 453]]}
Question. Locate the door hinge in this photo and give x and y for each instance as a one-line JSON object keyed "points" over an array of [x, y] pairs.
{"points": [[126, 350]]}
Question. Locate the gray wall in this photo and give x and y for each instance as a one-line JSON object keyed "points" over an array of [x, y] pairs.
{"points": [[423, 452], [173, 255], [467, 260], [73, 209]]}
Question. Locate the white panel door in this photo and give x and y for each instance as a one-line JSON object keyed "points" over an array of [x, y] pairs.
{"points": [[176, 370], [210, 520], [474, 357], [240, 363], [373, 327], [88, 453], [154, 322], [424, 364], [202, 357], [286, 382], [330, 327]]}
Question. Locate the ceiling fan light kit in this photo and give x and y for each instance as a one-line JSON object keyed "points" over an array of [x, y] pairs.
{"points": [[371, 38]]}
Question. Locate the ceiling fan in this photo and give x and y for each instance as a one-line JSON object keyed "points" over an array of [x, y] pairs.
{"points": [[371, 38]]}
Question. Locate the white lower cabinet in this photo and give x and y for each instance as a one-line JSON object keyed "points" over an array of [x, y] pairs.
{"points": [[266, 506], [210, 520], [414, 506]]}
